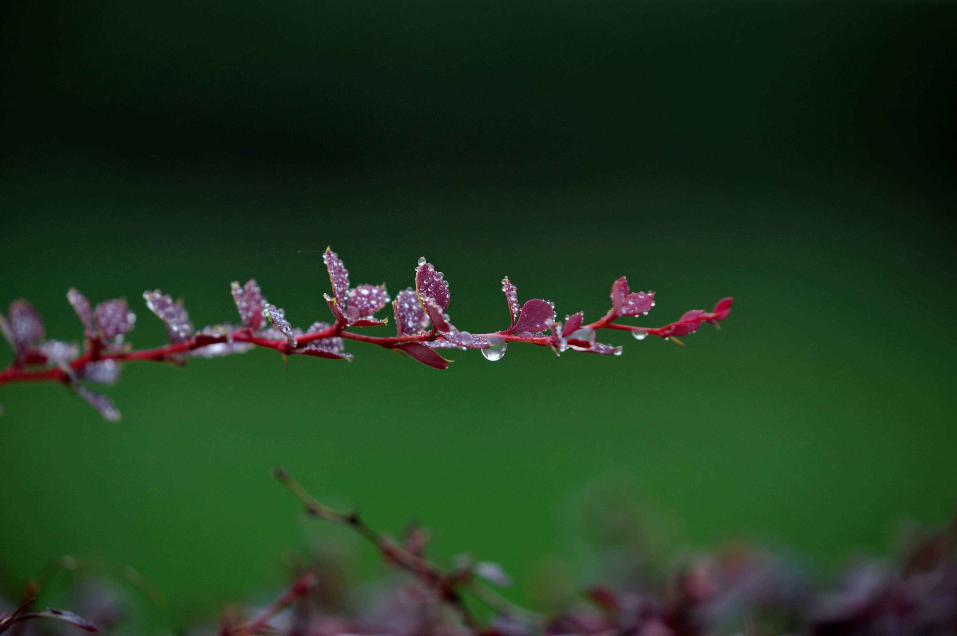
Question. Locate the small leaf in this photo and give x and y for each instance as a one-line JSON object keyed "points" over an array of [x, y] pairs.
{"points": [[722, 309], [365, 300], [56, 351], [425, 355], [81, 305], [23, 327], [67, 617], [216, 341], [369, 322], [334, 307], [339, 276], [249, 302], [536, 316], [628, 304], [410, 316], [114, 319], [437, 316], [103, 405], [511, 296], [493, 573], [572, 324], [178, 326], [101, 371], [430, 285], [332, 347], [277, 317]]}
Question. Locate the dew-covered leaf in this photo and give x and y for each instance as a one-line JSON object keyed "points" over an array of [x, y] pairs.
{"points": [[101, 371], [625, 303], [57, 351], [331, 348], [511, 297], [67, 617], [114, 319], [572, 324], [365, 300], [103, 405], [277, 318], [370, 322], [81, 305], [335, 308], [465, 339], [339, 276], [559, 343], [493, 573], [23, 327], [178, 326], [249, 302], [439, 318], [604, 349], [431, 285], [536, 316], [423, 354], [410, 316]]}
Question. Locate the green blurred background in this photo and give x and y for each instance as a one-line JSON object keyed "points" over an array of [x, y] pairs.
{"points": [[797, 155]]}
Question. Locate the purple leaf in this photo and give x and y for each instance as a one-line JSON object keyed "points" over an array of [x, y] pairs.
{"points": [[369, 322], [277, 317], [425, 355], [572, 324], [466, 340], [410, 316], [558, 342], [67, 617], [511, 296], [216, 341], [332, 347], [56, 351], [101, 371], [628, 304], [365, 300], [178, 326], [431, 286], [339, 276], [103, 405], [114, 319], [23, 327], [438, 317], [81, 305], [493, 573], [537, 315], [334, 308], [249, 302], [603, 349]]}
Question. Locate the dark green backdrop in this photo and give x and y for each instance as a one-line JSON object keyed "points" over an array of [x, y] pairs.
{"points": [[799, 156]]}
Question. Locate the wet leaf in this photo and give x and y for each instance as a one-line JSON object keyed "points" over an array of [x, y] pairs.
{"points": [[410, 316], [511, 296], [425, 355], [366, 300], [537, 315], [339, 276], [114, 319], [81, 305], [625, 303], [178, 326], [431, 285], [277, 318], [249, 302]]}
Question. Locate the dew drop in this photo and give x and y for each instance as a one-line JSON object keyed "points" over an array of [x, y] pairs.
{"points": [[496, 349], [421, 261], [639, 335]]}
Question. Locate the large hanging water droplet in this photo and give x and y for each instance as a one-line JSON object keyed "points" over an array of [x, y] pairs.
{"points": [[639, 335], [496, 349]]}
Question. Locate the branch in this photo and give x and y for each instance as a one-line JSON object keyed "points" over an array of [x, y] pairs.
{"points": [[423, 328]]}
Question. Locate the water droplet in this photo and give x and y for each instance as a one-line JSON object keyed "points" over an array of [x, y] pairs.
{"points": [[421, 261], [496, 349], [639, 335]]}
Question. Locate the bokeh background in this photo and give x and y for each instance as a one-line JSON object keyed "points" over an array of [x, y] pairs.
{"points": [[797, 155]]}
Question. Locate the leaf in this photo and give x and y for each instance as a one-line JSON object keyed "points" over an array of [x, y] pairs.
{"points": [[493, 573], [249, 303], [339, 276], [103, 405], [331, 348], [537, 315], [572, 323], [216, 341], [430, 285], [628, 304], [722, 309], [511, 296], [410, 316], [66, 617], [101, 371], [57, 351], [114, 319], [178, 326], [334, 307], [425, 355], [365, 300], [23, 327], [81, 305], [439, 318], [277, 318]]}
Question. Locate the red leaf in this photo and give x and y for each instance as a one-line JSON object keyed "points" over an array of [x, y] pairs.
{"points": [[537, 315], [572, 324], [628, 304], [424, 355], [431, 285], [249, 302], [410, 316], [339, 276], [511, 296]]}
